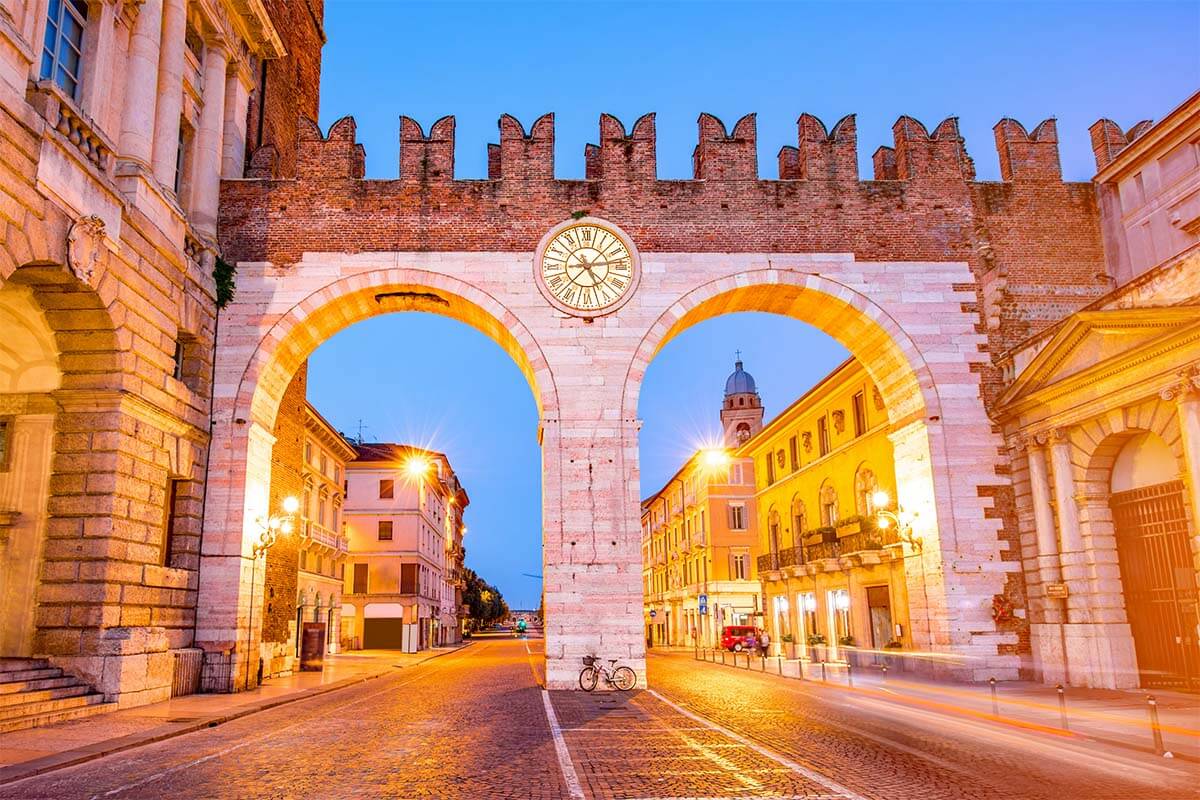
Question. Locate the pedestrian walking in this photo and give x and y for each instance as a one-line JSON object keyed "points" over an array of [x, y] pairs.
{"points": [[764, 642]]}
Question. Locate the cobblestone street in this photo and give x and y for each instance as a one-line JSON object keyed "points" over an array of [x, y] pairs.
{"points": [[476, 724]]}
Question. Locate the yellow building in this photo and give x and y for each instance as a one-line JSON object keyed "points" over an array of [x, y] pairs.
{"points": [[831, 577], [699, 535]]}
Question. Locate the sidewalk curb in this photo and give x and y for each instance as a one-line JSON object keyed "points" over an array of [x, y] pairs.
{"points": [[80, 755], [1111, 742]]}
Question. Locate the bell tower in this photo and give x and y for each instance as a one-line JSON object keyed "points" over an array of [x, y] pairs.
{"points": [[741, 410]]}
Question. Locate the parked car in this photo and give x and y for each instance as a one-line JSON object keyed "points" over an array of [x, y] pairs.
{"points": [[738, 637]]}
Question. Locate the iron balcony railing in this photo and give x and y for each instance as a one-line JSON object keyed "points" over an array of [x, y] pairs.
{"points": [[802, 554]]}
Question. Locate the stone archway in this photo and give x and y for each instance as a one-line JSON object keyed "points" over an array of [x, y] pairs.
{"points": [[916, 337], [945, 453], [251, 383]]}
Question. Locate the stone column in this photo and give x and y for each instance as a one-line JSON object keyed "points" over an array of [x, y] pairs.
{"points": [[207, 180], [1064, 493], [1043, 514], [141, 85], [237, 99], [1187, 396], [170, 92]]}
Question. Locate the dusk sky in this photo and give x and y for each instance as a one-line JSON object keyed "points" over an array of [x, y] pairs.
{"points": [[429, 380]]}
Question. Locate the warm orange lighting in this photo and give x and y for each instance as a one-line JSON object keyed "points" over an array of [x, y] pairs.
{"points": [[880, 498], [884, 521], [417, 466], [290, 505], [715, 457]]}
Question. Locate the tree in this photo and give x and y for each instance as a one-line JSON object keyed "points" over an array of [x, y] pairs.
{"points": [[485, 601]]}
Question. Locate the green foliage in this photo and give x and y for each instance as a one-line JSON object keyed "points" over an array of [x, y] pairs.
{"points": [[787, 638], [485, 601], [224, 274], [816, 639], [846, 641], [579, 214]]}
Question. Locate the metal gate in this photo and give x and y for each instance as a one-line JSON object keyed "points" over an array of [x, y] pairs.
{"points": [[1159, 580]]}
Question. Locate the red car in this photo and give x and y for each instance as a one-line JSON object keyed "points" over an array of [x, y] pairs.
{"points": [[738, 637]]}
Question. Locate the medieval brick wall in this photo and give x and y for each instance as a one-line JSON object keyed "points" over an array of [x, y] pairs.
{"points": [[282, 565], [287, 87]]}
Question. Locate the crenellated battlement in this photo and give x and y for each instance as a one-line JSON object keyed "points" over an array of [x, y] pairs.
{"points": [[623, 156], [1108, 140]]}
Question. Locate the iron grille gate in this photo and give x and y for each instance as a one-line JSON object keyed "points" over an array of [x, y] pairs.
{"points": [[1159, 579]]}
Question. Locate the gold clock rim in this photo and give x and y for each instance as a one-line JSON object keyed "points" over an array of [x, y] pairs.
{"points": [[594, 222]]}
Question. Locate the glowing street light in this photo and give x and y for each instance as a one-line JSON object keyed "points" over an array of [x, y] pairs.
{"points": [[271, 527], [715, 457], [417, 467]]}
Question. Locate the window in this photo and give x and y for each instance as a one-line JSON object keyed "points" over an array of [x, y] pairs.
{"points": [[770, 469], [66, 20], [735, 474], [304, 559], [170, 520], [823, 435], [829, 505], [360, 579], [321, 502], [865, 486], [6, 427], [324, 464], [794, 451], [387, 489], [738, 566], [860, 414], [308, 452], [409, 578], [799, 519], [737, 517], [385, 530]]}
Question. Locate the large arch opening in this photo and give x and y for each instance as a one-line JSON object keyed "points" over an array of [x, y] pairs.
{"points": [[947, 538], [252, 416]]}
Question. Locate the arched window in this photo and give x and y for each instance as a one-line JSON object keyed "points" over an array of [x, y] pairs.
{"points": [[743, 432], [773, 533], [799, 518], [829, 504], [865, 485]]}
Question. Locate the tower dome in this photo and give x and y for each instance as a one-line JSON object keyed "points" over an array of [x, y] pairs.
{"points": [[740, 381]]}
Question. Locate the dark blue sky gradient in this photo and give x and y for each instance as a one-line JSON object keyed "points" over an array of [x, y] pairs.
{"points": [[421, 378]]}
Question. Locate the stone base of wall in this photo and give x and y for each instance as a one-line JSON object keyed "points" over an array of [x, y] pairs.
{"points": [[1093, 655], [131, 666]]}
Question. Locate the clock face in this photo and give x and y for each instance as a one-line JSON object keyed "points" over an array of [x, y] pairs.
{"points": [[587, 267]]}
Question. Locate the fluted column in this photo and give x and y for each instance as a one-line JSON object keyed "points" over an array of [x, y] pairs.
{"points": [[1187, 397], [170, 91], [237, 99], [208, 141], [1043, 513], [141, 85], [1064, 493]]}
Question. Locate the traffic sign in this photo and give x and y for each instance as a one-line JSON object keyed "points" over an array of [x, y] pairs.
{"points": [[703, 604]]}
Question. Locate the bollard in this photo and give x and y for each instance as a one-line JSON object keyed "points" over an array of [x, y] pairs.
{"points": [[762, 662], [722, 656], [885, 673], [995, 701], [1062, 706], [780, 665], [849, 674], [822, 672], [800, 669], [1154, 728]]}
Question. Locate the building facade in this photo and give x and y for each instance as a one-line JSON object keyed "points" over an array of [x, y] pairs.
{"points": [[118, 122], [324, 545], [403, 518], [699, 540], [1102, 415], [831, 576]]}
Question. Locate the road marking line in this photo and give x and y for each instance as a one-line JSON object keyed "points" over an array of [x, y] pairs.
{"points": [[816, 777], [574, 787], [248, 742]]}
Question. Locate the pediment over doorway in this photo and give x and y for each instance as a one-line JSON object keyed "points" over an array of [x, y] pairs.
{"points": [[1090, 342]]}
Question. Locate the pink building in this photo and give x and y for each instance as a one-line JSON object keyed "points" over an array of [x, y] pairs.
{"points": [[403, 517]]}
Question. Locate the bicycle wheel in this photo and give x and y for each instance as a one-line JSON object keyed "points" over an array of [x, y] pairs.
{"points": [[624, 678], [587, 678]]}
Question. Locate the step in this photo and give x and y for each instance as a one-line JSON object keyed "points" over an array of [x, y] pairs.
{"points": [[36, 720], [38, 708], [29, 674], [22, 664], [17, 687], [39, 695]]}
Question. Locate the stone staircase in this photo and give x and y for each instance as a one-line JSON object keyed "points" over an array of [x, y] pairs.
{"points": [[33, 693]]}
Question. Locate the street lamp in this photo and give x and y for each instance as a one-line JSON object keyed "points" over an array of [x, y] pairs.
{"points": [[715, 457], [902, 521], [417, 467], [270, 527]]}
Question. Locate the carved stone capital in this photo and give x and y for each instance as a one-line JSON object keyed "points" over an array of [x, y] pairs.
{"points": [[1187, 387]]}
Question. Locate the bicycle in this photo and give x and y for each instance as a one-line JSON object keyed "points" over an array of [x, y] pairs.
{"points": [[623, 678]]}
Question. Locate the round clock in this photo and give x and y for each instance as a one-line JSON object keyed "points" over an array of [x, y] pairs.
{"points": [[586, 267]]}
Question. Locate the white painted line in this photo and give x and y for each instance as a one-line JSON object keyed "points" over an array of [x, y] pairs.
{"points": [[833, 786], [564, 755]]}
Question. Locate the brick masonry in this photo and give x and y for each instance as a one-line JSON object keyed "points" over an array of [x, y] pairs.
{"points": [[922, 272]]}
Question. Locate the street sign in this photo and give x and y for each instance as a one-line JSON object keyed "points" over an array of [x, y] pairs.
{"points": [[1056, 590], [703, 604]]}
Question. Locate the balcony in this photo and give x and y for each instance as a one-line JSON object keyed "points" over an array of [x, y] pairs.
{"points": [[320, 535], [856, 544]]}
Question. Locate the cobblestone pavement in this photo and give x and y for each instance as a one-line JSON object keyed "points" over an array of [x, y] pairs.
{"points": [[476, 724]]}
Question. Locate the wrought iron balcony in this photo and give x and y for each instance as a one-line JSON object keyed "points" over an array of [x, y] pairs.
{"points": [[862, 541], [791, 556], [768, 562]]}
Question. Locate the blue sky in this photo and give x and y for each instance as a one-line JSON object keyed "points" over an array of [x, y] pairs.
{"points": [[978, 61]]}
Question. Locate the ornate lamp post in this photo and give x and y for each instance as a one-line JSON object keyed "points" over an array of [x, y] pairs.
{"points": [[270, 527], [903, 523]]}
